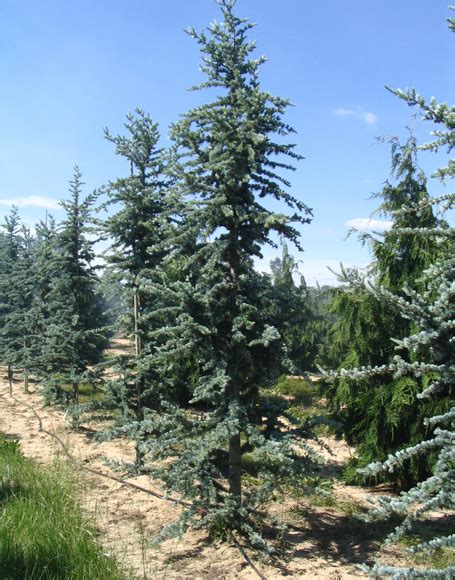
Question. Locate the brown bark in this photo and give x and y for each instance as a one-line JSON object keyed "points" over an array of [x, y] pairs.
{"points": [[139, 381], [10, 379], [235, 449], [235, 466], [139, 455], [137, 338], [76, 392]]}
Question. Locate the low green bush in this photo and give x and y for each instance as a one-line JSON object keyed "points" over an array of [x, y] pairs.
{"points": [[300, 389]]}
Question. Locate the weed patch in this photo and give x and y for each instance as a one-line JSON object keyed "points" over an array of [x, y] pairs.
{"points": [[43, 532]]}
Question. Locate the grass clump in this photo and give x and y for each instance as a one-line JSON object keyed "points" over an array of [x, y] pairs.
{"points": [[43, 532], [301, 390]]}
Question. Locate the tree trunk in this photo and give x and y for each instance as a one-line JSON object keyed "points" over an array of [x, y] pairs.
{"points": [[235, 467], [26, 380], [76, 392], [139, 455], [235, 450], [137, 338], [139, 380], [10, 379]]}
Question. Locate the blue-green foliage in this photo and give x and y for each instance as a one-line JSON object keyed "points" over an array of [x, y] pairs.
{"points": [[74, 334], [428, 350], [16, 294], [214, 338], [293, 312], [142, 232]]}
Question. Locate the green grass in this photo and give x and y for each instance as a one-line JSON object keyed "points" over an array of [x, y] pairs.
{"points": [[425, 531], [301, 390], [62, 391], [43, 532], [317, 491]]}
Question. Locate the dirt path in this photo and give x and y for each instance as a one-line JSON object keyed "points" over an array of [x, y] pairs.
{"points": [[322, 543]]}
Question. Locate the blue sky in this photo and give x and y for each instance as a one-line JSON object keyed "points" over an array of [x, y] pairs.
{"points": [[71, 68]]}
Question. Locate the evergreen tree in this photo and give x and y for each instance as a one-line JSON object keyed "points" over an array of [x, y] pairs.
{"points": [[427, 350], [44, 273], [17, 338], [321, 323], [24, 343], [140, 230], [379, 415], [293, 314], [9, 254], [226, 165], [74, 335]]}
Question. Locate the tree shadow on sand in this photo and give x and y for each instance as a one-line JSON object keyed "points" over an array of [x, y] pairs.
{"points": [[347, 538]]}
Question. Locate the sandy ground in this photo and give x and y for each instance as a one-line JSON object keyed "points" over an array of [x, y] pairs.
{"points": [[321, 542]]}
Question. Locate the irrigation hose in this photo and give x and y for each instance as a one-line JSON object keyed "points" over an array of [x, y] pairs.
{"points": [[129, 484]]}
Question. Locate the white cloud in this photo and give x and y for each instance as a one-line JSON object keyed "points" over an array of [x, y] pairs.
{"points": [[33, 201], [369, 224], [369, 118]]}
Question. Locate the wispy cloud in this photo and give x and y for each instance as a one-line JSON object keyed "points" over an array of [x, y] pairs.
{"points": [[369, 224], [367, 117], [32, 201]]}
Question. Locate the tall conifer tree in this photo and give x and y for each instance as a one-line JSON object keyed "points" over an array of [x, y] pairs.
{"points": [[428, 350], [293, 314], [75, 333], [139, 230], [25, 345], [380, 414], [10, 251], [227, 164]]}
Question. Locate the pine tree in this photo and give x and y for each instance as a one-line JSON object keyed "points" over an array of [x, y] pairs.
{"points": [[380, 415], [140, 231], [10, 250], [45, 271], [74, 335], [24, 342], [227, 163], [293, 314]]}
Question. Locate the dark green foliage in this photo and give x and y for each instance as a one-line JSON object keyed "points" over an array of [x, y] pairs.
{"points": [[430, 343], [426, 351], [301, 390], [43, 533], [380, 414], [318, 329]]}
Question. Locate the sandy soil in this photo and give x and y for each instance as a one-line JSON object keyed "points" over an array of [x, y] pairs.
{"points": [[322, 542]]}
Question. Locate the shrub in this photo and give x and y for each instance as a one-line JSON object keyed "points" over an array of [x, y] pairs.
{"points": [[300, 389]]}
